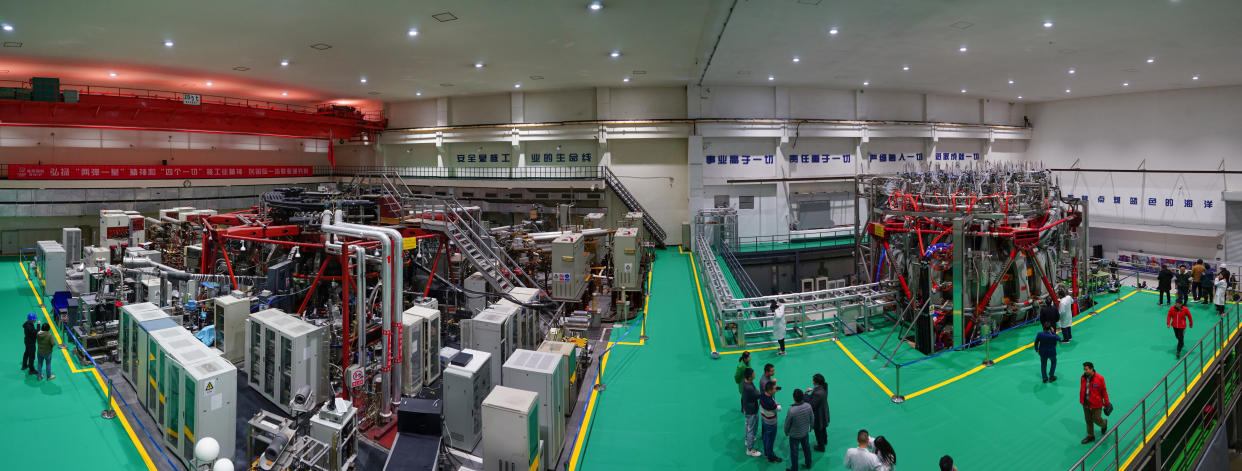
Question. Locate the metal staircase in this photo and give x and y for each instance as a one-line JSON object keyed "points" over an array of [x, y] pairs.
{"points": [[649, 222], [481, 249]]}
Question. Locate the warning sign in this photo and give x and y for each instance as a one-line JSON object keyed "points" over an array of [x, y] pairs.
{"points": [[629, 268], [210, 388], [356, 378]]}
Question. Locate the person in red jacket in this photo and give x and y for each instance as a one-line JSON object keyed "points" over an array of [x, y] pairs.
{"points": [[1178, 318], [1094, 397]]}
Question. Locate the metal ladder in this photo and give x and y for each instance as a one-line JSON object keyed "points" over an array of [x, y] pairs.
{"points": [[632, 203], [480, 248]]}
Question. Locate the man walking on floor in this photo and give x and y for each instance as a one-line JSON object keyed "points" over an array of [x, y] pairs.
{"points": [[46, 342], [750, 409], [1093, 395], [1182, 280], [1164, 284], [798, 425], [1046, 345], [819, 407], [1066, 310], [1178, 317], [31, 331]]}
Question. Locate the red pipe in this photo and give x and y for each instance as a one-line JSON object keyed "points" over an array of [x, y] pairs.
{"points": [[434, 264], [228, 264], [314, 282], [272, 241], [1042, 274], [992, 289], [1074, 279], [206, 252]]}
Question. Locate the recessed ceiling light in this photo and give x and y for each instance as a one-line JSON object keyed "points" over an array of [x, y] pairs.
{"points": [[320, 46], [208, 83], [112, 74], [833, 31], [796, 59], [963, 90], [517, 85], [241, 68], [478, 65], [284, 93], [771, 78], [961, 49], [1072, 71], [412, 32], [639, 72], [1047, 24], [444, 17], [168, 43], [626, 79], [614, 54], [905, 67], [1019, 97], [1151, 60], [1011, 81], [363, 80], [8, 27], [1195, 77], [1067, 90], [1125, 84], [595, 6], [866, 82], [284, 62]]}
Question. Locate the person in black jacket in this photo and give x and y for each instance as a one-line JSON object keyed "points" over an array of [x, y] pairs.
{"points": [[750, 409], [31, 331], [819, 410], [1049, 314], [1164, 284], [1182, 280]]}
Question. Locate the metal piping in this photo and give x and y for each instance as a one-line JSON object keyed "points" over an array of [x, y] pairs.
{"points": [[392, 323], [360, 299]]}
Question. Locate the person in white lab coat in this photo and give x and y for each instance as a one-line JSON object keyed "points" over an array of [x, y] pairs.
{"points": [[778, 325], [1219, 298]]}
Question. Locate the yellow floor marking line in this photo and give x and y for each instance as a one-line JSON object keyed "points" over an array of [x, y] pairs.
{"points": [[1173, 406], [586, 417], [711, 341], [146, 459], [865, 370]]}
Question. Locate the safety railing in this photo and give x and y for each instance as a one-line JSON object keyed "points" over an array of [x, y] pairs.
{"points": [[843, 237], [1138, 427], [739, 273], [467, 173]]}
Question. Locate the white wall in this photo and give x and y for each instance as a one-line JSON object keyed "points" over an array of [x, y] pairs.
{"points": [[654, 170]]}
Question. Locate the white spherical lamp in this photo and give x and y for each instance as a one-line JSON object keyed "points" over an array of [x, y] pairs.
{"points": [[206, 450], [223, 464]]}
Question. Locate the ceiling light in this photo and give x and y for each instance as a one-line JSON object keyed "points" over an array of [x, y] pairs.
{"points": [[444, 17], [412, 32], [596, 6], [284, 93], [1019, 97], [626, 80], [771, 78], [1072, 71], [1125, 84], [517, 85], [963, 90], [866, 82], [905, 67], [961, 49], [8, 27], [363, 80], [833, 31], [796, 59], [168, 43], [1011, 81], [284, 62], [1067, 90], [1151, 60], [112, 74], [1047, 24], [1195, 77], [614, 54], [208, 83], [478, 65], [418, 93]]}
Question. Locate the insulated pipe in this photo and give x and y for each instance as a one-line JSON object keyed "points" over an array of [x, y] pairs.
{"points": [[386, 247], [360, 312], [392, 324], [547, 236]]}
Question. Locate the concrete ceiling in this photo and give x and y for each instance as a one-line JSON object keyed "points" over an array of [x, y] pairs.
{"points": [[556, 44]]}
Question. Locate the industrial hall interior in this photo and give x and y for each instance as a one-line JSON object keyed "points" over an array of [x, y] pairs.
{"points": [[615, 235]]}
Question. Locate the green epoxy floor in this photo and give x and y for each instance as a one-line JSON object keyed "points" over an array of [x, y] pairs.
{"points": [[668, 405], [52, 424]]}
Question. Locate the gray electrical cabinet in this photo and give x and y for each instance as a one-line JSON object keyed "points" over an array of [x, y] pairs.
{"points": [[50, 266], [208, 404], [570, 352], [284, 353], [527, 318], [511, 430], [569, 267], [465, 387], [71, 240], [229, 315], [544, 374], [336, 424], [134, 343], [626, 257], [493, 331], [420, 348]]}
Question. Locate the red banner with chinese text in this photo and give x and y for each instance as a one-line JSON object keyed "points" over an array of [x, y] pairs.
{"points": [[151, 172]]}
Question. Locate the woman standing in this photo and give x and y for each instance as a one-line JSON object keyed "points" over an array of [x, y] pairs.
{"points": [[1219, 298], [884, 451]]}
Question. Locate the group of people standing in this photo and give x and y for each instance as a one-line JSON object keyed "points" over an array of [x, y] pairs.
{"points": [[808, 413], [1199, 283], [39, 343]]}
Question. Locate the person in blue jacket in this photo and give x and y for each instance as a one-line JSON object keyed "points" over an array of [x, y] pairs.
{"points": [[1046, 345]]}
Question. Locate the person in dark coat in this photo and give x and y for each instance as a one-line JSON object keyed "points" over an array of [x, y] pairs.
{"points": [[1182, 280], [31, 332], [1046, 346], [1049, 314], [750, 409], [819, 410], [1207, 283], [1164, 284]]}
